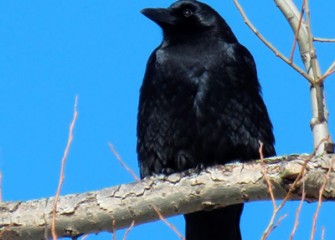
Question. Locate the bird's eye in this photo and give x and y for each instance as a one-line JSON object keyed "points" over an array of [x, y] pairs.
{"points": [[187, 12]]}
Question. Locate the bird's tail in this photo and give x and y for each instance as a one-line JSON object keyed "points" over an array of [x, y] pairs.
{"points": [[218, 224]]}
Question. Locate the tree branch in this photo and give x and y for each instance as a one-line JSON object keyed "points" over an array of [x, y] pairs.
{"points": [[118, 207], [269, 45], [302, 30], [324, 40]]}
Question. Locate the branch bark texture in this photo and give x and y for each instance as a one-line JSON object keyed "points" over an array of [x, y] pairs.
{"points": [[118, 207], [302, 30]]}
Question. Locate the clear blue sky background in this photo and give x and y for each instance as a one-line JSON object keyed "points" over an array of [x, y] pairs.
{"points": [[51, 51]]}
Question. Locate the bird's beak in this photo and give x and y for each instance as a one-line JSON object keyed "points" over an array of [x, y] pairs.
{"points": [[161, 16]]}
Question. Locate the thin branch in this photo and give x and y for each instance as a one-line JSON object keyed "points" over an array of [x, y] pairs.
{"points": [[279, 221], [171, 226], [84, 237], [297, 213], [114, 230], [310, 42], [297, 32], [329, 72], [322, 189], [129, 170], [326, 75], [268, 182], [270, 226], [331, 68], [323, 231], [128, 230], [323, 40], [276, 210], [61, 176], [269, 45], [123, 164]]}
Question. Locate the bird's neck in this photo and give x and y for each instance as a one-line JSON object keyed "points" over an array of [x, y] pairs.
{"points": [[188, 39]]}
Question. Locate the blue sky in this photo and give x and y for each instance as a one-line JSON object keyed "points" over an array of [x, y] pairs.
{"points": [[51, 51]]}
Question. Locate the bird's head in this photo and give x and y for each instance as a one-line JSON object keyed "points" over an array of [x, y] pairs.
{"points": [[188, 18]]}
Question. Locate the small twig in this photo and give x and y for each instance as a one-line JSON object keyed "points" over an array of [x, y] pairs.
{"points": [[269, 45], [321, 191], [270, 226], [84, 237], [268, 182], [61, 176], [297, 213], [292, 187], [161, 217], [279, 221], [331, 68], [123, 164], [113, 230], [321, 79], [329, 72], [310, 42], [128, 230], [129, 170], [46, 232], [323, 231], [323, 40], [297, 32]]}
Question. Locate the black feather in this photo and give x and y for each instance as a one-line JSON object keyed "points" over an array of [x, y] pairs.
{"points": [[200, 105]]}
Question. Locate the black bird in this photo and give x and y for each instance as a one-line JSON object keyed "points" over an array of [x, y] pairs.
{"points": [[200, 105]]}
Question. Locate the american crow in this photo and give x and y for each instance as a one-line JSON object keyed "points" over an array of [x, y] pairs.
{"points": [[200, 105]]}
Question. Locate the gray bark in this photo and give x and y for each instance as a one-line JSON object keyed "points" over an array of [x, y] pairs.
{"points": [[319, 121], [118, 207]]}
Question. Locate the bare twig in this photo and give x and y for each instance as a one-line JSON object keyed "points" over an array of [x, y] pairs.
{"points": [[297, 213], [114, 230], [276, 209], [123, 164], [168, 224], [329, 72], [321, 191], [297, 32], [270, 226], [269, 45], [84, 237], [268, 182], [61, 176], [310, 42], [128, 230], [323, 231], [279, 221], [331, 68], [129, 170], [323, 40]]}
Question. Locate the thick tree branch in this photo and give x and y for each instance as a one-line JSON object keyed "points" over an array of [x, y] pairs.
{"points": [[118, 207]]}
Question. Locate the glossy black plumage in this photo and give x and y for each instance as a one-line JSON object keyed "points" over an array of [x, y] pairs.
{"points": [[200, 105]]}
